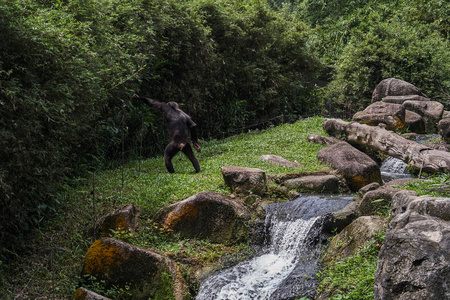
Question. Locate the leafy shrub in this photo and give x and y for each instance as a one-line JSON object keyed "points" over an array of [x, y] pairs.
{"points": [[368, 41], [231, 63], [388, 50], [68, 70]]}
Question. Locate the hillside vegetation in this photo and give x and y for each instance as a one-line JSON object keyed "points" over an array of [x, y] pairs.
{"points": [[68, 70], [54, 256]]}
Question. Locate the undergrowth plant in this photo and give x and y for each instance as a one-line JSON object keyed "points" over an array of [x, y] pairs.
{"points": [[352, 277]]}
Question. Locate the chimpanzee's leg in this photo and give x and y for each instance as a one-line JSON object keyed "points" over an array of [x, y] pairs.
{"points": [[187, 150], [169, 153]]}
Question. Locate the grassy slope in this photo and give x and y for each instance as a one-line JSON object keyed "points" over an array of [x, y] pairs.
{"points": [[55, 254]]}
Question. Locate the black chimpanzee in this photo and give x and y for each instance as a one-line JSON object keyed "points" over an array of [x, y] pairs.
{"points": [[179, 124]]}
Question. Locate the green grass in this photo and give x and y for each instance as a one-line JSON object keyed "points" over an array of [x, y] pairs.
{"points": [[352, 277], [53, 259], [435, 185]]}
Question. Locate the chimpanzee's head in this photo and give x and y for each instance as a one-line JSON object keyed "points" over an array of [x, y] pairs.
{"points": [[172, 104]]}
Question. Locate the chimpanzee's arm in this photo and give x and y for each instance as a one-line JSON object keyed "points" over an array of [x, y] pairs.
{"points": [[194, 137], [160, 105]]}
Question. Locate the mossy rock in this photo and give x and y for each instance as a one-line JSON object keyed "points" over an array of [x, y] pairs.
{"points": [[144, 273]]}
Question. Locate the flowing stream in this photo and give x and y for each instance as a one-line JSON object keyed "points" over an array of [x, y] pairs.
{"points": [[286, 266], [393, 168]]}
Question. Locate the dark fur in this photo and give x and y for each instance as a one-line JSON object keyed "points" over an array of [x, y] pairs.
{"points": [[179, 125]]}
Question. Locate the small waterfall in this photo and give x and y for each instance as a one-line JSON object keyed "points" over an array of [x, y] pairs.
{"points": [[393, 168], [286, 267]]}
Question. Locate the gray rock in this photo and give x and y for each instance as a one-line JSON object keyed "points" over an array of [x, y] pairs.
{"points": [[275, 159], [446, 114], [400, 202], [245, 180], [374, 202], [394, 87], [403, 98], [206, 215], [414, 122], [444, 129], [390, 114], [320, 183], [414, 262], [356, 235], [370, 187], [431, 112], [144, 273], [322, 140], [357, 167], [343, 217]]}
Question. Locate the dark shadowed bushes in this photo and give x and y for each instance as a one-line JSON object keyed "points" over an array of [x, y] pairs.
{"points": [[230, 63], [68, 70]]}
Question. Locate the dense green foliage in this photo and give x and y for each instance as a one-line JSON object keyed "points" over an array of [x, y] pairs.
{"points": [[368, 41], [68, 70]]}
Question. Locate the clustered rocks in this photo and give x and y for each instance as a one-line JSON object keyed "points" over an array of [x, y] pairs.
{"points": [[397, 104], [414, 262]]}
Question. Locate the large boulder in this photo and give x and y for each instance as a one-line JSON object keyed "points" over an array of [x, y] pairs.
{"points": [[430, 111], [357, 167], [444, 129], [142, 272], [418, 156], [414, 261], [245, 180], [390, 114], [394, 87], [318, 184], [206, 215]]}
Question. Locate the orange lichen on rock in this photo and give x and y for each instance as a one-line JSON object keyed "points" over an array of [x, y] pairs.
{"points": [[101, 258], [79, 294], [400, 122], [187, 212], [116, 223], [357, 181]]}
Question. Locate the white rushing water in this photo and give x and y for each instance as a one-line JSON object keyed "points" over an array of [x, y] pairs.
{"points": [[286, 265], [259, 277]]}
